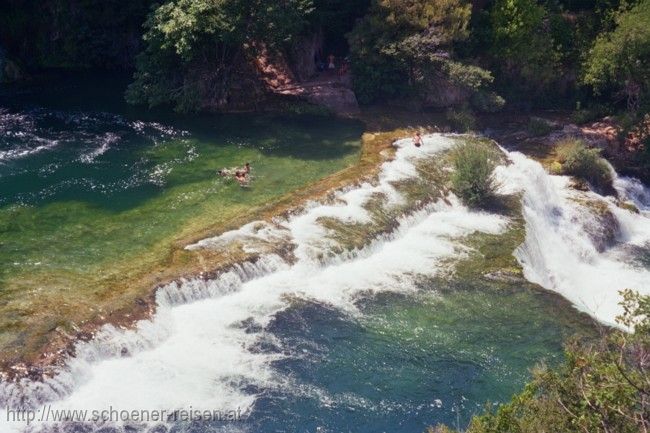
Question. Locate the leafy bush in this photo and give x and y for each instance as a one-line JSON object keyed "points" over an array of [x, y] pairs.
{"points": [[580, 161], [196, 49], [538, 127], [462, 119], [473, 179], [487, 102], [590, 114], [601, 387], [619, 60], [402, 48], [523, 52]]}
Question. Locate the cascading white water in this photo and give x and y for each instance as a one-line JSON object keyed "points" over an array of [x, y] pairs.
{"points": [[560, 253], [196, 352], [633, 190]]}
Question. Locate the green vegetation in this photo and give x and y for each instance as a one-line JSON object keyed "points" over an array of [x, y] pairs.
{"points": [[404, 48], [521, 50], [602, 386], [473, 179], [73, 34], [539, 127], [202, 54], [195, 48], [620, 59], [576, 159]]}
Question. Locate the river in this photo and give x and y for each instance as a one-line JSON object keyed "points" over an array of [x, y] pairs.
{"points": [[368, 328]]}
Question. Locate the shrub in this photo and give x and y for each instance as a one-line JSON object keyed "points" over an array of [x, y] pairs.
{"points": [[580, 161], [487, 102], [473, 179], [591, 114], [538, 127], [462, 119]]}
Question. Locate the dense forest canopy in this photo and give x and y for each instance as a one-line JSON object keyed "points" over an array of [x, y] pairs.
{"points": [[550, 53]]}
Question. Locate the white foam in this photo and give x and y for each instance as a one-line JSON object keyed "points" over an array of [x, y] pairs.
{"points": [[198, 354], [560, 255], [106, 141]]}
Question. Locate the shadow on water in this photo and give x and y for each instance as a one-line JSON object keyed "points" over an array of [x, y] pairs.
{"points": [[90, 146]]}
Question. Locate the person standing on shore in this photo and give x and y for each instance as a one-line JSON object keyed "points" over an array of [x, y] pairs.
{"points": [[331, 65]]}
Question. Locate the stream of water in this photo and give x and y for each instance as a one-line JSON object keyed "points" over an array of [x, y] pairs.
{"points": [[382, 337]]}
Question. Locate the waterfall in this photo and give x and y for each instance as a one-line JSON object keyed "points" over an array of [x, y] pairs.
{"points": [[580, 244], [199, 351]]}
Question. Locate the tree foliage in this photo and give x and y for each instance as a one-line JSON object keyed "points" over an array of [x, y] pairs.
{"points": [[523, 51], [620, 58], [406, 46], [73, 33], [193, 47]]}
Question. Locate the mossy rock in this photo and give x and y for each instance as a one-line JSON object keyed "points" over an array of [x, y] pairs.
{"points": [[628, 205]]}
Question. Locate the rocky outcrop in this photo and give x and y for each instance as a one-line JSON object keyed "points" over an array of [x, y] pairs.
{"points": [[445, 94], [333, 95], [329, 90], [339, 99], [602, 134]]}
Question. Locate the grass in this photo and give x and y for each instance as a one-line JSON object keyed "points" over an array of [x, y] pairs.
{"points": [[473, 181], [576, 159]]}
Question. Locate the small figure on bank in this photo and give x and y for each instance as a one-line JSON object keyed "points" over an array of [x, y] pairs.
{"points": [[417, 139], [330, 62]]}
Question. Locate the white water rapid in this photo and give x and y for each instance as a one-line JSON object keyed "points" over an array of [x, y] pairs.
{"points": [[196, 352], [580, 244]]}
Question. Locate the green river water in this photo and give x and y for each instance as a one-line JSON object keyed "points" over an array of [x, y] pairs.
{"points": [[92, 190]]}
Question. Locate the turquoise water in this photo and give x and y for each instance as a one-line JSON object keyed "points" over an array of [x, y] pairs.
{"points": [[92, 189], [411, 361]]}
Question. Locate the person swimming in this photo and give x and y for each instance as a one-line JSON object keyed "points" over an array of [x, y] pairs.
{"points": [[240, 174]]}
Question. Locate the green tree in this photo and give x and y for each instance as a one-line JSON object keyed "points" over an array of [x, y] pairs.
{"points": [[523, 51], [406, 45], [194, 48], [620, 59]]}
